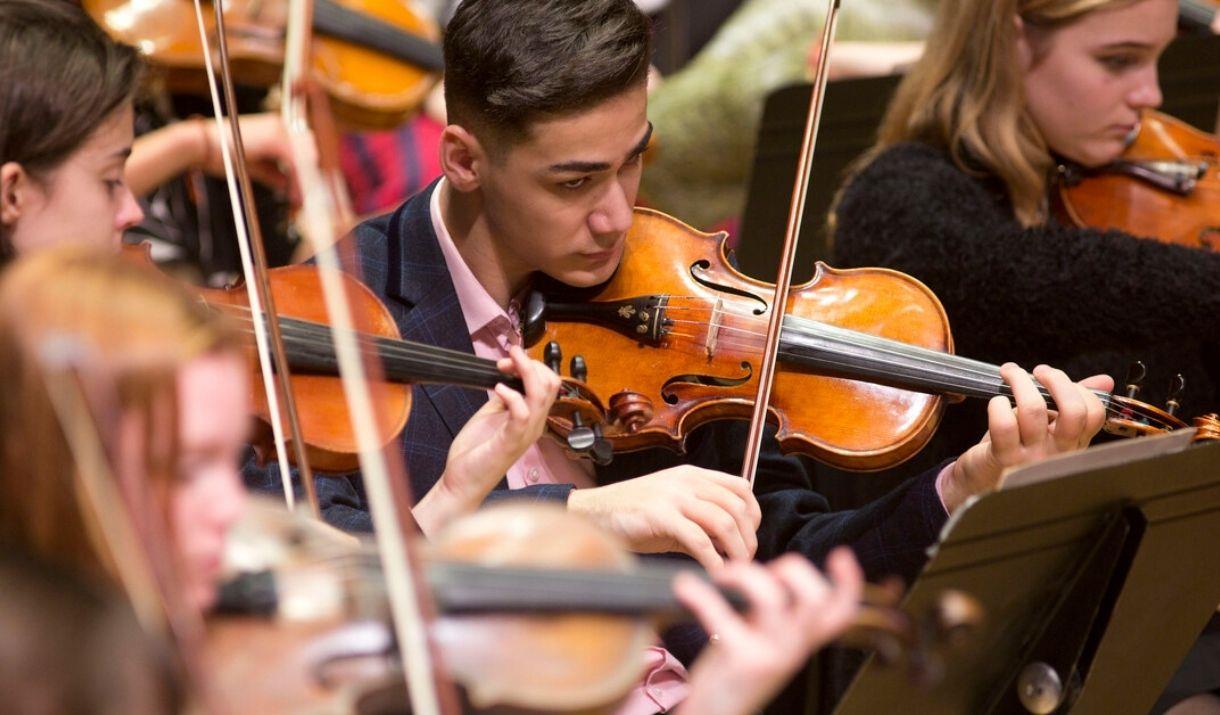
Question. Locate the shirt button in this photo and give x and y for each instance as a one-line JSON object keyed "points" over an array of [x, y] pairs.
{"points": [[532, 475]]}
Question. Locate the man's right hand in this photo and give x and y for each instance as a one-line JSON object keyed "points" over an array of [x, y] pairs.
{"points": [[706, 514]]}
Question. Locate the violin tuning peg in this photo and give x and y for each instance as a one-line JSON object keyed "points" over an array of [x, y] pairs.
{"points": [[552, 355], [533, 318], [581, 438], [1135, 377], [601, 452], [1177, 387], [579, 369]]}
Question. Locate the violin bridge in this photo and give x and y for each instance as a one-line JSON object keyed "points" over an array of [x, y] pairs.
{"points": [[713, 328]]}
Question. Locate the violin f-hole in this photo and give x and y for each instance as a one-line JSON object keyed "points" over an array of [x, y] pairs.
{"points": [[670, 397], [698, 271]]}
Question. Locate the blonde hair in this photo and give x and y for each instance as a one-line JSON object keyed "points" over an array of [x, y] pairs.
{"points": [[124, 321], [966, 95]]}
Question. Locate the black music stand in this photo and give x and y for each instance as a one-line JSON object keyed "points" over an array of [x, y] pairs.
{"points": [[1103, 566]]}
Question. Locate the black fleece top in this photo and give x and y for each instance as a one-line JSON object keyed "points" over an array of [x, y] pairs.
{"points": [[1084, 300]]}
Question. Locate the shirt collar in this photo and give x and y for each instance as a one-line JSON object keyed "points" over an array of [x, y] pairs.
{"points": [[478, 307]]}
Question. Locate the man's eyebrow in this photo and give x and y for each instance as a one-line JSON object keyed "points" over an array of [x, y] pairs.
{"points": [[643, 144], [589, 167]]}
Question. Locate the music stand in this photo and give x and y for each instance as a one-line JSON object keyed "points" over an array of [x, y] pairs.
{"points": [[1102, 565]]}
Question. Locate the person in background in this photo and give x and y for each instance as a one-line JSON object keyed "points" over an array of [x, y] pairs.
{"points": [[707, 114]]}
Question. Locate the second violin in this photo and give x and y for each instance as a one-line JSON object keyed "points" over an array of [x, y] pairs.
{"points": [[1166, 186]]}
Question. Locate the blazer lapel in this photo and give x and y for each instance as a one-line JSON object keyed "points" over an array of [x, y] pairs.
{"points": [[431, 313]]}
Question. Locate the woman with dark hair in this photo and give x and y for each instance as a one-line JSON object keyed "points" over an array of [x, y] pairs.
{"points": [[70, 167], [65, 128]]}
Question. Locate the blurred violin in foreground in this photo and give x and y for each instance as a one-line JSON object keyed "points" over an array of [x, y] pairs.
{"points": [[577, 612]]}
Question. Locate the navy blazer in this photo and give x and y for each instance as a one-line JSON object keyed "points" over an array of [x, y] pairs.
{"points": [[401, 261]]}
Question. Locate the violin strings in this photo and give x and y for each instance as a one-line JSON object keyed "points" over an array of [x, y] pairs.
{"points": [[974, 388], [972, 376], [990, 389], [966, 366], [319, 336], [796, 323]]}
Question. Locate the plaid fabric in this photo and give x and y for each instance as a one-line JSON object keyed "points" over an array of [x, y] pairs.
{"points": [[382, 168]]}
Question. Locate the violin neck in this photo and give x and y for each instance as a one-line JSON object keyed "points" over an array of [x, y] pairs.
{"points": [[334, 20], [646, 590], [311, 350], [837, 352], [471, 589]]}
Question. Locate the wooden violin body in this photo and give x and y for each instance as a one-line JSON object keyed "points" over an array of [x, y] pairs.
{"points": [[685, 334], [326, 423], [376, 59], [1166, 186]]}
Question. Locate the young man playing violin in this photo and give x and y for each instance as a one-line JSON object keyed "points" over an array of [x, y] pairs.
{"points": [[542, 160]]}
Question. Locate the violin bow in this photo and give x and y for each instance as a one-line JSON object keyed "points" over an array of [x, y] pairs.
{"points": [[267, 335], [783, 281], [325, 217], [126, 524], [429, 689]]}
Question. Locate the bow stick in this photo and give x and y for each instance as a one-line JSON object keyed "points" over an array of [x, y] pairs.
{"points": [[325, 217], [783, 281], [267, 337]]}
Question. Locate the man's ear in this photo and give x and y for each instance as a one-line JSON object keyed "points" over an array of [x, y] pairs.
{"points": [[462, 158], [15, 185]]}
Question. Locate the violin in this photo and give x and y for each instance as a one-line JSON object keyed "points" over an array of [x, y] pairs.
{"points": [[326, 424], [376, 59], [865, 355], [577, 611], [1165, 186]]}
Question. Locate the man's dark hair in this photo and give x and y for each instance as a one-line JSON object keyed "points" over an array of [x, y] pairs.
{"points": [[510, 63]]}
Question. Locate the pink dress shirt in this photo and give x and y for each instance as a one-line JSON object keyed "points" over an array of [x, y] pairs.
{"points": [[492, 330]]}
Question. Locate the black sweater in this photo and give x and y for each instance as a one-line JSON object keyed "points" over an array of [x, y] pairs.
{"points": [[1083, 300]]}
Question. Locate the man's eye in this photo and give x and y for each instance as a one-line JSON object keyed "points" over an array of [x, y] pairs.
{"points": [[575, 183]]}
